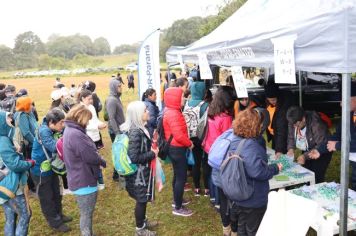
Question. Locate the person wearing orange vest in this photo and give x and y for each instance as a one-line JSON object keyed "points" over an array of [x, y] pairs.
{"points": [[278, 103]]}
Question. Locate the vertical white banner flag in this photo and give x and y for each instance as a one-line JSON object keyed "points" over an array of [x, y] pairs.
{"points": [[239, 83], [284, 63], [149, 66], [205, 72]]}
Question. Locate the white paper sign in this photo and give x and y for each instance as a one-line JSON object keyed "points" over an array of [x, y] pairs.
{"points": [[205, 72], [238, 77], [284, 63]]}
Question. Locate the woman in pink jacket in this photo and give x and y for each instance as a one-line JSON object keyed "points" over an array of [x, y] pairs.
{"points": [[219, 120]]}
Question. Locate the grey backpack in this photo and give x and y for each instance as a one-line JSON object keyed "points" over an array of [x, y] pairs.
{"points": [[233, 176]]}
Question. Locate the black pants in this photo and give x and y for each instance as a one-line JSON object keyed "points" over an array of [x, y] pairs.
{"points": [[200, 161], [248, 219], [50, 199], [140, 214], [225, 211], [319, 166], [115, 175], [179, 162], [65, 181]]}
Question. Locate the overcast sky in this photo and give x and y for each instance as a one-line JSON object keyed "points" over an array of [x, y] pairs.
{"points": [[119, 21]]}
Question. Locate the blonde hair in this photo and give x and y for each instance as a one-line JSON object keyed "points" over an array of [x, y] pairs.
{"points": [[80, 115]]}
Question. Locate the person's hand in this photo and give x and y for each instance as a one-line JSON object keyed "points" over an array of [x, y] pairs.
{"points": [[301, 160], [191, 147], [290, 153], [314, 154], [103, 163], [33, 162], [278, 155], [155, 150], [331, 146], [280, 167], [102, 126]]}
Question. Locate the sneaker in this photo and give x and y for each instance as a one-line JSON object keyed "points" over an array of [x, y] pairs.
{"points": [[144, 232], [184, 203], [217, 208], [187, 187], [63, 228], [66, 219], [182, 212], [197, 192], [101, 186], [207, 193], [67, 192], [227, 230], [151, 224], [212, 200]]}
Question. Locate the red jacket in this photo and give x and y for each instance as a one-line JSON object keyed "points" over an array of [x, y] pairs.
{"points": [[173, 120]]}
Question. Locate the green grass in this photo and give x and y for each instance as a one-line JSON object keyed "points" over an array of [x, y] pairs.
{"points": [[118, 60], [114, 210]]}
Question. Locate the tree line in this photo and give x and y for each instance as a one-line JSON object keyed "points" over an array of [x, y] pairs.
{"points": [[62, 52]]}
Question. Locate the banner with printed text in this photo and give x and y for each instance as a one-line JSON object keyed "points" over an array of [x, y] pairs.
{"points": [[149, 66]]}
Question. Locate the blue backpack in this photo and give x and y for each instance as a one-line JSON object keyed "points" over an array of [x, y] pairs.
{"points": [[121, 161], [219, 149]]}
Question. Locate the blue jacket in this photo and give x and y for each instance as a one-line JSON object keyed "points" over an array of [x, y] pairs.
{"points": [[49, 142], [257, 171], [153, 112], [8, 156], [27, 124]]}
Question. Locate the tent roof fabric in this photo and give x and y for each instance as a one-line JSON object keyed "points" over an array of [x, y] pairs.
{"points": [[325, 31]]}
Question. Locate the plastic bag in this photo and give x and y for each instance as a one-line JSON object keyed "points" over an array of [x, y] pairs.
{"points": [[160, 177], [190, 158]]}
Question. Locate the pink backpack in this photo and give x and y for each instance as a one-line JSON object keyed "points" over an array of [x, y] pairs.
{"points": [[59, 146]]}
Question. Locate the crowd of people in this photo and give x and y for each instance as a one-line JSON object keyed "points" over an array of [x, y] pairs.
{"points": [[70, 135]]}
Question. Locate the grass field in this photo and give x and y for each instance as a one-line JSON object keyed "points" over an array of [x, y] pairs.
{"points": [[114, 209]]}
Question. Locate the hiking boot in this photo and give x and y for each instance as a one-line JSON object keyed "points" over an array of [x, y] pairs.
{"points": [[197, 192], [144, 232], [227, 230], [63, 228], [66, 219], [182, 212], [184, 203], [151, 224]]}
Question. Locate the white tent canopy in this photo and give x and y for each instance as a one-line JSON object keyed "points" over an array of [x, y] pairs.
{"points": [[325, 31]]}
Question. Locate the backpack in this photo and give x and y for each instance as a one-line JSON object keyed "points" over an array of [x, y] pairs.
{"points": [[19, 141], [219, 149], [121, 160], [106, 115], [192, 118], [8, 104], [233, 177], [163, 144], [203, 125]]}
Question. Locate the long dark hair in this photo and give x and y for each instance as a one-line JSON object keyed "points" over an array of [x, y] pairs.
{"points": [[223, 101], [147, 93]]}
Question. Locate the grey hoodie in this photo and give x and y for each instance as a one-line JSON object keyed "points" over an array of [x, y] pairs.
{"points": [[114, 108]]}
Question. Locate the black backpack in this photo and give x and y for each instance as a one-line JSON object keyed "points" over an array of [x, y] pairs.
{"points": [[163, 144]]}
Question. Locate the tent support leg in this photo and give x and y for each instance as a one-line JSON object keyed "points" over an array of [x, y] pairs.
{"points": [[345, 148], [300, 89]]}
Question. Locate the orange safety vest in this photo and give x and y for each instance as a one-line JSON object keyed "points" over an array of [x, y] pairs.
{"points": [[271, 110]]}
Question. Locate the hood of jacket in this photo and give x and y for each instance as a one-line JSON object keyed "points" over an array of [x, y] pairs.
{"points": [[173, 98], [24, 104], [114, 84], [5, 129], [197, 90]]}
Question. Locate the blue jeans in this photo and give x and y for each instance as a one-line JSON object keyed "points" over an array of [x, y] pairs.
{"points": [[16, 207]]}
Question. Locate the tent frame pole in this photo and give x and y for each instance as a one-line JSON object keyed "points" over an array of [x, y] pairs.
{"points": [[345, 148], [300, 89]]}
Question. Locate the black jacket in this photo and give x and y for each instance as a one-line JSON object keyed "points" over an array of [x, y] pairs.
{"points": [[153, 112], [316, 133], [140, 153], [279, 122]]}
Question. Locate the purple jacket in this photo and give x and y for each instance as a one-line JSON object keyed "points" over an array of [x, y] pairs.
{"points": [[81, 157]]}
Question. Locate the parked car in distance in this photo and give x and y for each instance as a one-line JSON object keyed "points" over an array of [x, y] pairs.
{"points": [[131, 67]]}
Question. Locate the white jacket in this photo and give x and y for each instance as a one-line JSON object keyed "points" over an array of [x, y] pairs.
{"points": [[93, 126]]}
